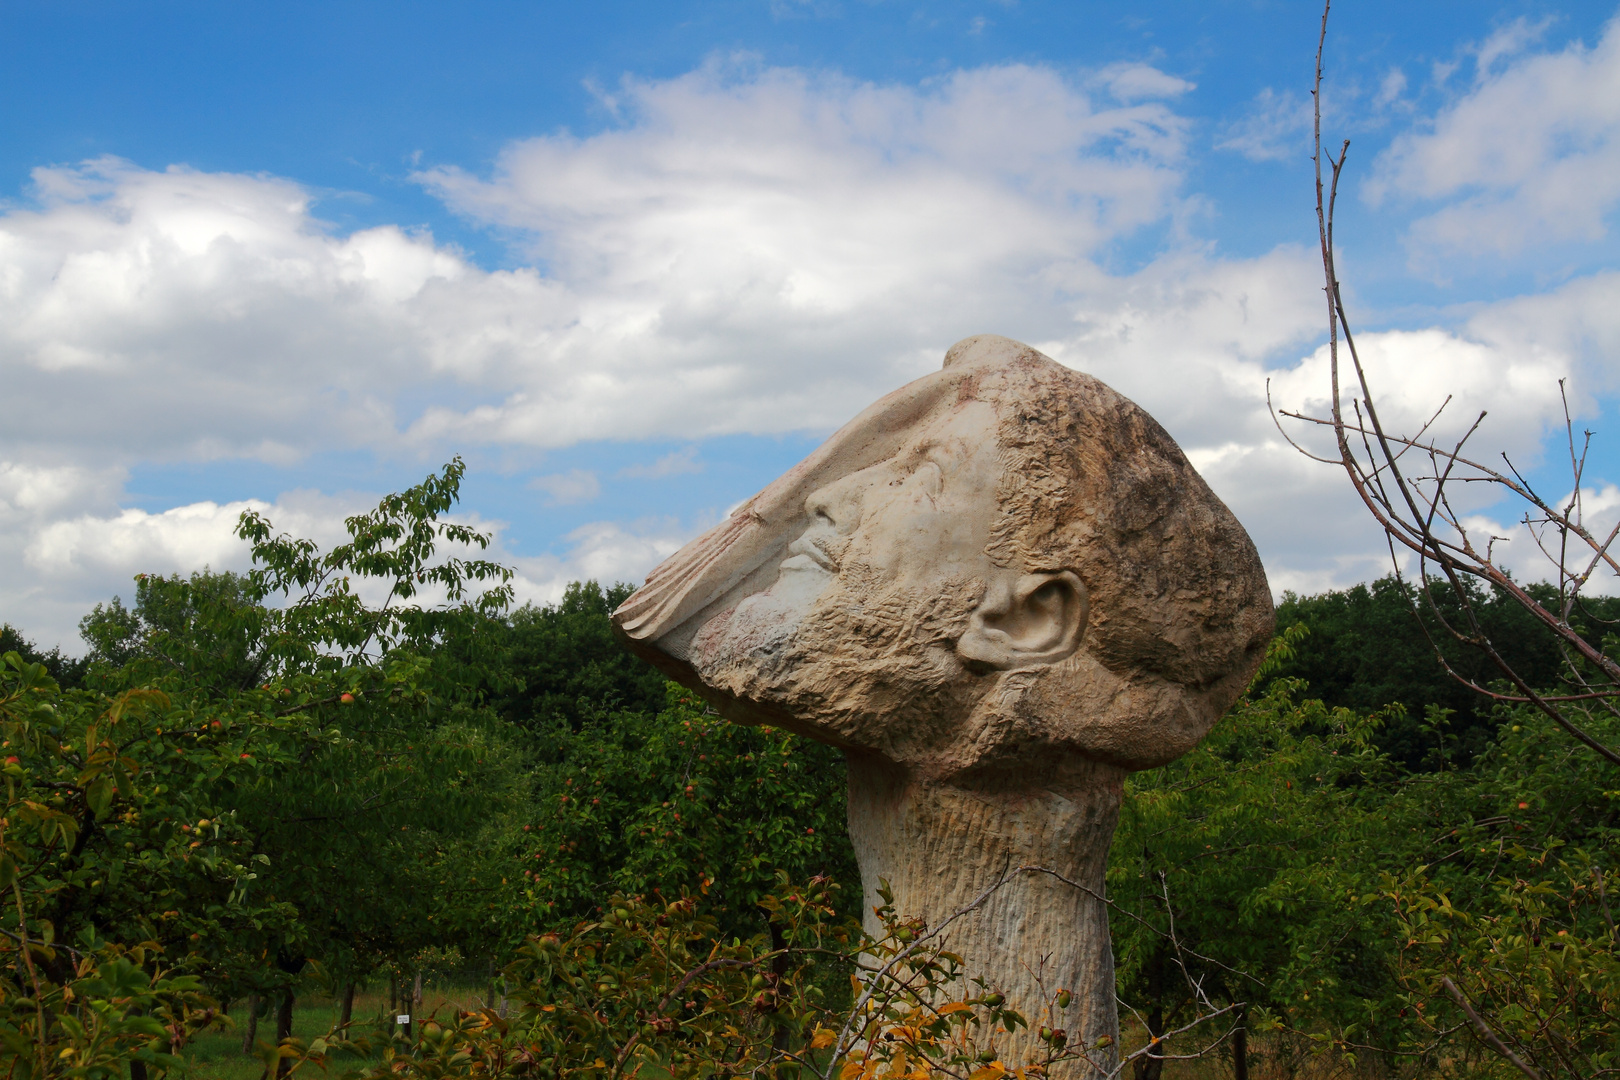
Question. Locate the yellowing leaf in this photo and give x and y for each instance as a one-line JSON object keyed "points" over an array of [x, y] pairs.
{"points": [[823, 1038]]}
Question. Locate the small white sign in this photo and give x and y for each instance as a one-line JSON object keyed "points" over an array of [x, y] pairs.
{"points": [[403, 1018]]}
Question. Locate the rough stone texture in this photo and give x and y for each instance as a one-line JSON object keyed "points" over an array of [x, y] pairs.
{"points": [[1001, 588]]}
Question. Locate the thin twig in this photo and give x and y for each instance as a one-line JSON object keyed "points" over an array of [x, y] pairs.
{"points": [[1483, 1030]]}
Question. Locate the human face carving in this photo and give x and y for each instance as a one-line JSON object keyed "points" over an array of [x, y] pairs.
{"points": [[874, 591], [921, 517], [920, 588]]}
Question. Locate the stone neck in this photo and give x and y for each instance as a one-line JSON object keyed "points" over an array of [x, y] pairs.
{"points": [[940, 846]]}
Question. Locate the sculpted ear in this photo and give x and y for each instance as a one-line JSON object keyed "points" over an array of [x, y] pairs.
{"points": [[1037, 619]]}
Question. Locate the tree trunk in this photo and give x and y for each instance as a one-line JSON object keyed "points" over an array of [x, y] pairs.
{"points": [[348, 1007], [416, 1003], [284, 1021], [137, 1070], [250, 1031], [1240, 1047], [393, 993]]}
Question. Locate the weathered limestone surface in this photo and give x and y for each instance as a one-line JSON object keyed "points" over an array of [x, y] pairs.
{"points": [[1001, 588]]}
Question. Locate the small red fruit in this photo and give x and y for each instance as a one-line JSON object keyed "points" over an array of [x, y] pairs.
{"points": [[13, 760], [347, 699], [245, 757]]}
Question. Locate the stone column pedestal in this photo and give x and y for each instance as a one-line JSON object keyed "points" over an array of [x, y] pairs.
{"points": [[940, 846]]}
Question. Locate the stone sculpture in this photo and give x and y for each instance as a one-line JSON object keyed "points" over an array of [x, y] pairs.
{"points": [[1000, 589]]}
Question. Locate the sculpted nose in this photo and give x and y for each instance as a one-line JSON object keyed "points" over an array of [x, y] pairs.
{"points": [[837, 505]]}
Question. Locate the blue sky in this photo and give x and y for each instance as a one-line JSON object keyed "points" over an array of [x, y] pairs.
{"points": [[634, 260]]}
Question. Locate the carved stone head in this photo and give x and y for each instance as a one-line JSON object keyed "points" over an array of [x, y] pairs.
{"points": [[993, 573]]}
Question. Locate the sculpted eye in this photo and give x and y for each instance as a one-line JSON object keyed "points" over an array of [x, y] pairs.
{"points": [[931, 477], [926, 473]]}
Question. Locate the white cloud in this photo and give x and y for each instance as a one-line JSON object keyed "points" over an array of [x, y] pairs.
{"points": [[755, 251], [603, 551], [751, 250], [1276, 127], [1529, 155], [1132, 81], [203, 315], [674, 463], [65, 545], [1390, 88], [564, 489], [184, 538], [1507, 41]]}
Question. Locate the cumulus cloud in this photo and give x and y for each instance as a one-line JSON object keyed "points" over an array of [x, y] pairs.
{"points": [[748, 250], [602, 551], [675, 463], [180, 314], [741, 226], [758, 250], [65, 544], [1530, 153], [564, 489]]}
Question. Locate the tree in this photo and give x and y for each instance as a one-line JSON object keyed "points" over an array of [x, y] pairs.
{"points": [[266, 770], [1369, 647], [1412, 486], [1245, 871], [65, 670], [678, 801], [1535, 1005], [207, 630], [126, 879], [537, 664]]}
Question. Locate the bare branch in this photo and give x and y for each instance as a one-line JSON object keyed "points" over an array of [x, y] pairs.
{"points": [[1486, 1035]]}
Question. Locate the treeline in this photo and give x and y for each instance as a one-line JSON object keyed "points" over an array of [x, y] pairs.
{"points": [[253, 784], [302, 776]]}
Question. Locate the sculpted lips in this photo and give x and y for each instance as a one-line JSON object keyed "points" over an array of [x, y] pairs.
{"points": [[804, 553]]}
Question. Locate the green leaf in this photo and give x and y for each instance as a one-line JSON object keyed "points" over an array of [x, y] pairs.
{"points": [[99, 795]]}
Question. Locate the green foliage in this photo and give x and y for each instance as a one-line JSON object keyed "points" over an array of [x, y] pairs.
{"points": [[1367, 650], [679, 802], [564, 662], [1287, 864], [108, 829], [359, 758], [66, 670], [1510, 900], [185, 809], [204, 633], [1245, 867], [655, 989], [328, 623], [116, 1008]]}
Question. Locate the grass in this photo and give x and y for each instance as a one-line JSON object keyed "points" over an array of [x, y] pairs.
{"points": [[217, 1055]]}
